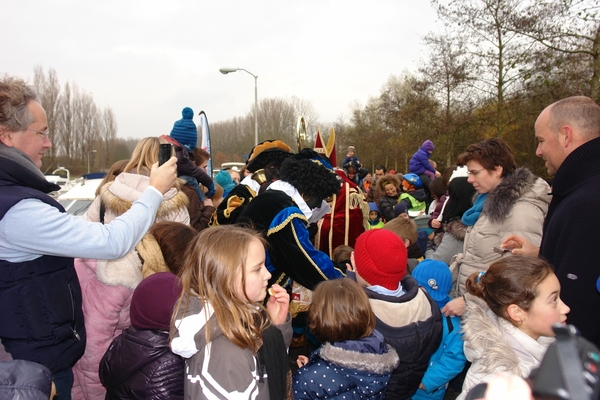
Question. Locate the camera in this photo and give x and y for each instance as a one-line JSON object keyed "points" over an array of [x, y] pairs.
{"points": [[165, 150], [568, 371]]}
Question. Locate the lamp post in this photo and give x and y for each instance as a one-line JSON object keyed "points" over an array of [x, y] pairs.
{"points": [[88, 157], [225, 71]]}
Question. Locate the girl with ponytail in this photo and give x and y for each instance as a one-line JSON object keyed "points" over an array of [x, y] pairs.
{"points": [[508, 321]]}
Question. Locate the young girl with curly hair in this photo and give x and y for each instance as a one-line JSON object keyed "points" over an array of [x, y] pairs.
{"points": [[233, 345], [354, 361], [508, 322]]}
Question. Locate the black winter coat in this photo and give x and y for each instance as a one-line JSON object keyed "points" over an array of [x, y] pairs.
{"points": [[140, 365]]}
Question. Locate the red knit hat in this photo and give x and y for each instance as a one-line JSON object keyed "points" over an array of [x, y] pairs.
{"points": [[380, 258]]}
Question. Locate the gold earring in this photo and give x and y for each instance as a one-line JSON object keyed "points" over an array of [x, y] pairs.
{"points": [[305, 198]]}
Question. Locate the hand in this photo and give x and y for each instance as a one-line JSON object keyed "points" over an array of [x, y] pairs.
{"points": [[421, 386], [455, 307], [163, 177], [436, 224], [438, 174], [211, 190], [301, 361], [278, 305], [520, 246]]}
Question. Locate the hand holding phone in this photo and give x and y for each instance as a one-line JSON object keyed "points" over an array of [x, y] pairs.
{"points": [[500, 250], [165, 151]]}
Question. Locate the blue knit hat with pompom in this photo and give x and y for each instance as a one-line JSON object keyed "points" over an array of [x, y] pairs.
{"points": [[185, 131]]}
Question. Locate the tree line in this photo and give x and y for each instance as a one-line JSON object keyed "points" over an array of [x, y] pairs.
{"points": [[496, 65], [79, 130], [489, 73]]}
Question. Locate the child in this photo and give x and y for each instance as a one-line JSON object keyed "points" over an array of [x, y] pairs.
{"points": [[419, 162], [413, 195], [508, 320], [139, 364], [351, 159], [449, 359], [388, 185], [406, 316], [231, 342], [353, 361], [184, 137], [341, 254], [375, 221], [406, 230]]}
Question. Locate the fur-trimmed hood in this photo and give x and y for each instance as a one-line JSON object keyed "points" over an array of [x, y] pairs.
{"points": [[493, 344], [382, 363], [118, 196], [520, 184]]}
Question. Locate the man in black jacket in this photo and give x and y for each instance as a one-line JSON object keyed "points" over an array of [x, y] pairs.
{"points": [[568, 134]]}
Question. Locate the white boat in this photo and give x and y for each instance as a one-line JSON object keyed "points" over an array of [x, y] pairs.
{"points": [[61, 177], [78, 199]]}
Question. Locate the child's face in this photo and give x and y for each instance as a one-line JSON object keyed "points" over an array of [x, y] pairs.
{"points": [[256, 273], [351, 153], [373, 215], [547, 309], [390, 189], [403, 215]]}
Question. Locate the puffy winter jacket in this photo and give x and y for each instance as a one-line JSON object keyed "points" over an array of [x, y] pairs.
{"points": [[140, 365]]}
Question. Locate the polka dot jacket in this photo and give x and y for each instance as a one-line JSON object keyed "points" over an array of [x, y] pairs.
{"points": [[354, 369]]}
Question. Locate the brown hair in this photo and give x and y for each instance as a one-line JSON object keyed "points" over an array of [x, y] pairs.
{"points": [[579, 111], [173, 239], [490, 153], [387, 179], [212, 268], [15, 95], [341, 253], [200, 155], [510, 280], [112, 174], [405, 228], [340, 310]]}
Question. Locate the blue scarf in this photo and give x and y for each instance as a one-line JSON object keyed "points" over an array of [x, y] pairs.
{"points": [[472, 214]]}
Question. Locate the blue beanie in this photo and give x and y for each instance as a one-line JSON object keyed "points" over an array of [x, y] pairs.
{"points": [[185, 131], [436, 278]]}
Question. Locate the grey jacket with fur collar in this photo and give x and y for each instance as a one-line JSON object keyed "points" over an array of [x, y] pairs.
{"points": [[518, 205]]}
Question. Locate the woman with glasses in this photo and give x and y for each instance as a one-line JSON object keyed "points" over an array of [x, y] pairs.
{"points": [[508, 200]]}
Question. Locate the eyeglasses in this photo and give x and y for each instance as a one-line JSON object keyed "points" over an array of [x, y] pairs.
{"points": [[475, 173], [44, 134]]}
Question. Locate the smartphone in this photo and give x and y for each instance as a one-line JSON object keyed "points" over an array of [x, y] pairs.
{"points": [[165, 151], [499, 249]]}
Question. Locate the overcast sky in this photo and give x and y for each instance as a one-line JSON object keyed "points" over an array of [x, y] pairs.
{"points": [[149, 59]]}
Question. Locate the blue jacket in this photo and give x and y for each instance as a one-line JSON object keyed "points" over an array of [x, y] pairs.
{"points": [[354, 369], [419, 162], [447, 362]]}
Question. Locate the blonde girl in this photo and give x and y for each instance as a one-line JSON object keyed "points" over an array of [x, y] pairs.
{"points": [[233, 345], [508, 323]]}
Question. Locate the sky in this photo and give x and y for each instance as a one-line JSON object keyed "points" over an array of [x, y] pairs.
{"points": [[149, 59]]}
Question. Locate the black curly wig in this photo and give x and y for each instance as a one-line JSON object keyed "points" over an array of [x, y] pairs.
{"points": [[310, 175]]}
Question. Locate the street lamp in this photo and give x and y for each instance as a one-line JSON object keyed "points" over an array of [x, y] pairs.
{"points": [[88, 157], [225, 71]]}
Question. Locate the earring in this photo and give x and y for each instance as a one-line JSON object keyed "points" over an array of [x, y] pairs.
{"points": [[305, 198]]}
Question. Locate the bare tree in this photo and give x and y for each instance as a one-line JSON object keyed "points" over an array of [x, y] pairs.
{"points": [[499, 55], [567, 27]]}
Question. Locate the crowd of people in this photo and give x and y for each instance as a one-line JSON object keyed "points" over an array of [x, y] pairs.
{"points": [[175, 284]]}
